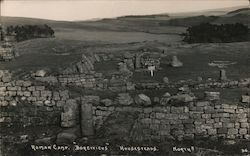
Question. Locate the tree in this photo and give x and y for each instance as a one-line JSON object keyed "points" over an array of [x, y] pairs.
{"points": [[26, 32], [212, 33]]}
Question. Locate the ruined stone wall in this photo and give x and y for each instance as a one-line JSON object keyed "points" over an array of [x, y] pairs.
{"points": [[195, 84], [204, 119], [6, 54], [25, 103], [225, 84], [22, 102], [97, 82]]}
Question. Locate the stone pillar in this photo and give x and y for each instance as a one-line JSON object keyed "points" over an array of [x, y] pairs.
{"points": [[70, 115], [87, 128], [137, 61], [122, 67], [223, 75]]}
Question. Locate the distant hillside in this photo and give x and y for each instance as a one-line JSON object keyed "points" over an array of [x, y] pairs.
{"points": [[189, 21], [149, 24], [7, 21], [239, 15], [245, 11]]}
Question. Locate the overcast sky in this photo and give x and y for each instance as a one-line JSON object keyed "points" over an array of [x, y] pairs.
{"points": [[88, 9]]}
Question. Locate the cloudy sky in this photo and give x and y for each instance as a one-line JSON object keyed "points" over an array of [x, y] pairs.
{"points": [[88, 9]]}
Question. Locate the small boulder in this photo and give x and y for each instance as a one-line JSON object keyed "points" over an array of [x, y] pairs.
{"points": [[245, 99], [165, 99], [176, 62], [106, 102], [40, 73], [156, 100], [124, 99], [24, 138], [64, 137], [167, 94], [1, 73], [143, 99], [165, 80], [199, 79], [45, 140], [184, 89], [182, 99]]}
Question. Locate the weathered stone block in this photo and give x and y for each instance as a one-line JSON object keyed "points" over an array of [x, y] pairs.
{"points": [[142, 99], [242, 115], [11, 93], [232, 131], [222, 130], [36, 93], [46, 93], [242, 131], [225, 120], [38, 103], [177, 110], [212, 131], [160, 115], [124, 99], [27, 93], [228, 110], [56, 96], [107, 102], [27, 83], [146, 121], [70, 114], [40, 88], [202, 103], [228, 125], [31, 88], [87, 128], [210, 121], [206, 116], [12, 88], [3, 103], [31, 99], [212, 96], [244, 125], [147, 110], [6, 78], [245, 99]]}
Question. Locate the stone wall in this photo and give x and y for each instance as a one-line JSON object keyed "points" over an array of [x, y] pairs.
{"points": [[25, 103], [198, 119], [22, 102], [96, 81], [195, 84], [84, 66]]}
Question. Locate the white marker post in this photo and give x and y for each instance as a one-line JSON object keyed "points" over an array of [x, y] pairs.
{"points": [[151, 68]]}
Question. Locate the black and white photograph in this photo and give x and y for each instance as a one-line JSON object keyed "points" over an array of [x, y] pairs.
{"points": [[124, 78]]}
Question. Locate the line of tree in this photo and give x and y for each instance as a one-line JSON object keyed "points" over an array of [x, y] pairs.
{"points": [[212, 33], [1, 33], [26, 32]]}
